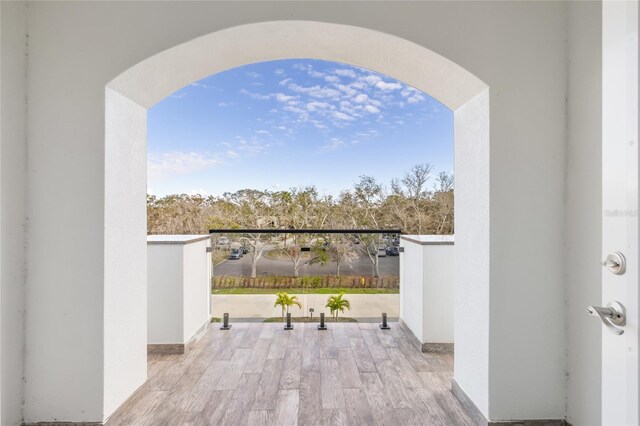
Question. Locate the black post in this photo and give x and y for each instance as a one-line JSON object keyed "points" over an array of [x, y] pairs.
{"points": [[288, 326], [322, 326], [225, 322], [384, 325]]}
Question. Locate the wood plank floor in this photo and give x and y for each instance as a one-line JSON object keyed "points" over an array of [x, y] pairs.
{"points": [[260, 374]]}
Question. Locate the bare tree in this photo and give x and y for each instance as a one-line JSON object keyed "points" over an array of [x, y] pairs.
{"points": [[444, 203], [342, 252], [415, 181], [293, 250], [362, 207], [251, 208]]}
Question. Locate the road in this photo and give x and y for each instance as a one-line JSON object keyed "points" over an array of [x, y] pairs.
{"points": [[388, 266]]}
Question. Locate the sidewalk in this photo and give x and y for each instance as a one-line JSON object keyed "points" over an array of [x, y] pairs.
{"points": [[261, 305]]}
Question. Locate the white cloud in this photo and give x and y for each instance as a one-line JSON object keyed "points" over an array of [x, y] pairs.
{"points": [[347, 89], [253, 74], [309, 69], [342, 116], [371, 79], [294, 109], [344, 72], [167, 164], [361, 98], [232, 154], [281, 97], [279, 71], [315, 91], [412, 95], [347, 107], [284, 82], [313, 106], [263, 132], [371, 109], [383, 85], [223, 104], [332, 79], [334, 143], [254, 95], [253, 146]]}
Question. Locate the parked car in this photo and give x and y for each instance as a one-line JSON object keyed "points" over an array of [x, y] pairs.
{"points": [[244, 249], [382, 252], [223, 241], [235, 254], [393, 251]]}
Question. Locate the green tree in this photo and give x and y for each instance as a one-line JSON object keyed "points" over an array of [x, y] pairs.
{"points": [[337, 303], [285, 302]]}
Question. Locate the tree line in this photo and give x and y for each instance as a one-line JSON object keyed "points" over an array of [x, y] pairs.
{"points": [[419, 202]]}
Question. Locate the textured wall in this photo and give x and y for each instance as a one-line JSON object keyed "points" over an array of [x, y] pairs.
{"points": [[197, 285], [583, 214], [12, 205]]}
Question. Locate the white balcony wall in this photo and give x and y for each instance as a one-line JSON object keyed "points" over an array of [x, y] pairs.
{"points": [[177, 288], [426, 287], [196, 287]]}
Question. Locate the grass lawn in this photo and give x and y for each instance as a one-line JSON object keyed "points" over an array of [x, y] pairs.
{"points": [[306, 290], [315, 319]]}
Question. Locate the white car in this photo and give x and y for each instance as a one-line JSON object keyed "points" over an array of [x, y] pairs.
{"points": [[223, 241], [382, 252]]}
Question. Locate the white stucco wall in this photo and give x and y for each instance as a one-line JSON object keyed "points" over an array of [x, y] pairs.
{"points": [[526, 346], [426, 287], [518, 49], [437, 298], [178, 287], [583, 214], [124, 251], [411, 288], [165, 274], [471, 257], [13, 208], [197, 287]]}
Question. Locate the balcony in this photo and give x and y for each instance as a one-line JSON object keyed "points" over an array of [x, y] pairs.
{"points": [[260, 374]]}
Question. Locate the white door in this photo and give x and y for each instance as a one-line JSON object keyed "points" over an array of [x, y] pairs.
{"points": [[620, 209]]}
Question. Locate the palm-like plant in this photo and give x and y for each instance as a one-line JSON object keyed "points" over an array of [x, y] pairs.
{"points": [[337, 303], [285, 301]]}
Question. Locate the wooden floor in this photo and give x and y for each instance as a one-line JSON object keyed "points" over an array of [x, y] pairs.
{"points": [[260, 374]]}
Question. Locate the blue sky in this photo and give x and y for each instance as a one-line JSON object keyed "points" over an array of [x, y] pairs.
{"points": [[289, 123]]}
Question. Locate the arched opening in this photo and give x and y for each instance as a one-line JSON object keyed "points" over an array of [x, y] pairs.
{"points": [[299, 144], [130, 95]]}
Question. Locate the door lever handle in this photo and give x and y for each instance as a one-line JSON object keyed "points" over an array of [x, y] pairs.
{"points": [[613, 316]]}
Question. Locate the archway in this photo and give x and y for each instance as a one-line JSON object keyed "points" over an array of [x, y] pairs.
{"points": [[130, 94]]}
